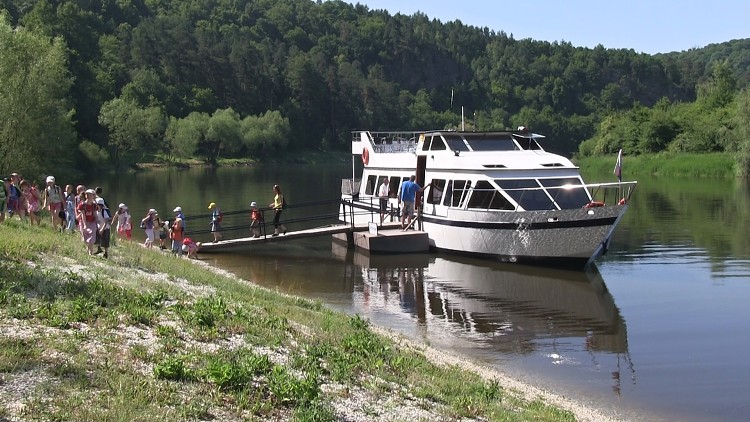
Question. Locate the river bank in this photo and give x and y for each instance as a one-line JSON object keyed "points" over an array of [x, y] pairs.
{"points": [[683, 165], [148, 336]]}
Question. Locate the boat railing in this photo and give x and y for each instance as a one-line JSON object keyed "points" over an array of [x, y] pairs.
{"points": [[390, 142]]}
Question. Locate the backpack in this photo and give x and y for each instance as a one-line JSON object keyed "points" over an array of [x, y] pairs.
{"points": [[220, 217], [283, 203]]}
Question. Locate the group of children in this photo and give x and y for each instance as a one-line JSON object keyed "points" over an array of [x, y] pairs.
{"points": [[86, 211], [173, 230]]}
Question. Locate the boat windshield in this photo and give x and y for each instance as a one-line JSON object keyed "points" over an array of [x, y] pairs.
{"points": [[546, 194], [491, 142], [456, 143], [568, 193], [527, 193]]}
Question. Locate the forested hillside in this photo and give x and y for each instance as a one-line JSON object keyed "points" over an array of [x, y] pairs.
{"points": [[239, 78]]}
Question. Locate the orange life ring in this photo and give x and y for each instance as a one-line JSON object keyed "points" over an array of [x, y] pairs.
{"points": [[365, 156]]}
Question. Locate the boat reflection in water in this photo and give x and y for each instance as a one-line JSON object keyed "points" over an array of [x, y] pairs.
{"points": [[501, 309]]}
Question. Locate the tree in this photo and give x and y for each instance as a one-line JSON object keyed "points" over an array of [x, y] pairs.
{"points": [[36, 120], [184, 135], [223, 133], [131, 127], [265, 134]]}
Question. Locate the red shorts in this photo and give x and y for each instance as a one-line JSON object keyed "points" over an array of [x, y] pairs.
{"points": [[55, 208]]}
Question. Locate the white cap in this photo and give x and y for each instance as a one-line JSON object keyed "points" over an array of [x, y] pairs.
{"points": [[100, 201], [152, 211], [253, 204], [50, 179], [91, 191], [177, 209], [122, 206]]}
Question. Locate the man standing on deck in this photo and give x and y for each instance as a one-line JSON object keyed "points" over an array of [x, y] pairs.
{"points": [[409, 191], [383, 195]]}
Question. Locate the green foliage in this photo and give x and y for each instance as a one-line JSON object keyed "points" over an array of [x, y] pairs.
{"points": [[95, 155], [36, 119], [172, 368], [266, 134], [304, 74], [131, 127], [741, 122]]}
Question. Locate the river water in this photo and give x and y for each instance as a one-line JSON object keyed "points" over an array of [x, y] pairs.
{"points": [[658, 330]]}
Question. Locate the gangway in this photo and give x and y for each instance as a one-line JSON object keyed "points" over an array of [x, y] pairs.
{"points": [[236, 228]]}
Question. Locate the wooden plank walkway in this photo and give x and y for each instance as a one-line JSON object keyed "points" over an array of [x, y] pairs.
{"points": [[290, 235]]}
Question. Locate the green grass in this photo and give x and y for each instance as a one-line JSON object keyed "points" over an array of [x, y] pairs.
{"points": [[120, 341], [714, 165]]}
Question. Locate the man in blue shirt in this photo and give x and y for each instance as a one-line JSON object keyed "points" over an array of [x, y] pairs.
{"points": [[409, 191]]}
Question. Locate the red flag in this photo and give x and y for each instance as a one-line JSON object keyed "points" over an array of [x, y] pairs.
{"points": [[618, 166]]}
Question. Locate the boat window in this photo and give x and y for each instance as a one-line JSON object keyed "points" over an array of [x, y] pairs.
{"points": [[485, 196], [568, 193], [426, 144], [528, 143], [455, 191], [456, 143], [435, 194], [527, 192], [495, 142], [437, 144], [372, 180], [393, 185]]}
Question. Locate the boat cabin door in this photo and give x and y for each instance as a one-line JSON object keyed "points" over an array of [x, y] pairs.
{"points": [[421, 165]]}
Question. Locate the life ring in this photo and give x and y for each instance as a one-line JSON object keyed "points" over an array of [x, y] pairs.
{"points": [[365, 156]]}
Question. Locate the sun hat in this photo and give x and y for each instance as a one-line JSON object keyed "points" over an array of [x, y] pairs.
{"points": [[177, 209], [100, 201], [211, 205], [253, 204], [50, 179]]}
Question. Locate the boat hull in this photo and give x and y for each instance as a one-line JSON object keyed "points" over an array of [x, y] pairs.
{"points": [[558, 237]]}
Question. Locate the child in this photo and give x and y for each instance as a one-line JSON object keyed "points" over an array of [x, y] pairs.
{"points": [[163, 232], [70, 209], [175, 233], [103, 222], [124, 222], [87, 212], [216, 218], [148, 223], [256, 219], [190, 248]]}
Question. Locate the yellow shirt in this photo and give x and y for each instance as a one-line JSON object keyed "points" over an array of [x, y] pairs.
{"points": [[277, 201]]}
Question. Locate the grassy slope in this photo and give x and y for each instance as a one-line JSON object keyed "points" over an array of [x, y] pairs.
{"points": [[663, 164], [146, 336]]}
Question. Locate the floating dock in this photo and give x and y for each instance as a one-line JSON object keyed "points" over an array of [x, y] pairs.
{"points": [[389, 241]]}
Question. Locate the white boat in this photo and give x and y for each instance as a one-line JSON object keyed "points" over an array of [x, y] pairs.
{"points": [[493, 194]]}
